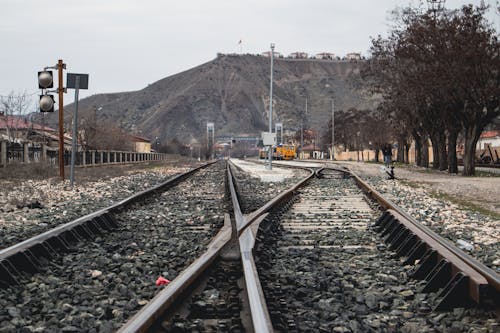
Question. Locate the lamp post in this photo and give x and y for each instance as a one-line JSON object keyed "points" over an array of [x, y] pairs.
{"points": [[332, 156], [302, 132], [270, 151], [210, 143]]}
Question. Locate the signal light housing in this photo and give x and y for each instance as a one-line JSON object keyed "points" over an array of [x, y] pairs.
{"points": [[46, 103], [45, 80]]}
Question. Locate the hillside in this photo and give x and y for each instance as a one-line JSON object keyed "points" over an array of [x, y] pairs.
{"points": [[233, 92]]}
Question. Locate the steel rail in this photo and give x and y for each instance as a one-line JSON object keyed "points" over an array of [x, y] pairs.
{"points": [[143, 320], [478, 274], [261, 320], [490, 275], [23, 256], [247, 228]]}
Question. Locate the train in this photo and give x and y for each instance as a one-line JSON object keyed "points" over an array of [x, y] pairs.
{"points": [[285, 152]]}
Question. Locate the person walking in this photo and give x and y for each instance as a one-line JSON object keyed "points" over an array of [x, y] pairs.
{"points": [[387, 152]]}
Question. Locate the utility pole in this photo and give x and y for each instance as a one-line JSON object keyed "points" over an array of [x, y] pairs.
{"points": [[60, 90], [302, 132], [332, 157], [270, 166]]}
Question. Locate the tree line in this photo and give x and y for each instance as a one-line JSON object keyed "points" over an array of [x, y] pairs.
{"points": [[438, 74]]}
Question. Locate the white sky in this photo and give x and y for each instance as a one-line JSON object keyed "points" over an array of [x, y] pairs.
{"points": [[127, 44]]}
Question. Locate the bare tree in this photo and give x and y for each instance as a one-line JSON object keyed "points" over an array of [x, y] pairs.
{"points": [[14, 104], [440, 73]]}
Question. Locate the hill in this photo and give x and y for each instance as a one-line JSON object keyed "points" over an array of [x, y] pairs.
{"points": [[233, 92]]}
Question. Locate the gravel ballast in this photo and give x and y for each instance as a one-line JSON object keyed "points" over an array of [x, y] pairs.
{"points": [[30, 207]]}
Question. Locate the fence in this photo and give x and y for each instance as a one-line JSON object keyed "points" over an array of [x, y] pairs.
{"points": [[11, 153]]}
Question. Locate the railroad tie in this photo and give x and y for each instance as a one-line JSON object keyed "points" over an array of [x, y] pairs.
{"points": [[444, 271]]}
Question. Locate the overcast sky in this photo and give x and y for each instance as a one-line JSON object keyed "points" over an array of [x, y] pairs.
{"points": [[127, 44]]}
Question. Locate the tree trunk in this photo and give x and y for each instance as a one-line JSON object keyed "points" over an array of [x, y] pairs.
{"points": [[418, 149], [425, 152], [472, 134], [452, 151], [435, 151], [443, 156], [407, 153], [401, 151]]}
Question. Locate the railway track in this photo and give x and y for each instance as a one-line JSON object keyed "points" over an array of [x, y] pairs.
{"points": [[319, 256], [95, 272]]}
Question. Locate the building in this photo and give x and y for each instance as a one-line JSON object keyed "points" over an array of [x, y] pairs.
{"points": [[268, 54], [353, 56], [325, 55], [298, 55], [141, 144], [18, 129], [491, 138]]}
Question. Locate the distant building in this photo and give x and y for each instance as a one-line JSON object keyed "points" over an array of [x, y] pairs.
{"points": [[491, 138], [141, 144], [298, 55], [325, 55], [268, 54], [353, 56], [19, 129]]}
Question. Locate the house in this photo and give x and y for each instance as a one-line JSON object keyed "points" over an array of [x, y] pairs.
{"points": [[19, 129], [298, 55], [268, 54], [325, 55], [491, 138], [488, 147], [353, 56], [141, 144]]}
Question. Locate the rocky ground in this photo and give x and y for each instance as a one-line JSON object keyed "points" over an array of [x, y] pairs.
{"points": [[29, 206]]}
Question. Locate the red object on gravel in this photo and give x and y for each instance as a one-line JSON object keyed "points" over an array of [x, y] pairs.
{"points": [[162, 281]]}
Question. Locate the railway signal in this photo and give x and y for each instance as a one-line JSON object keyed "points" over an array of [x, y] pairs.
{"points": [[46, 103], [45, 80]]}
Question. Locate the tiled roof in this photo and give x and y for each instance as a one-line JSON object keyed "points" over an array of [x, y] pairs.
{"points": [[20, 123], [490, 134]]}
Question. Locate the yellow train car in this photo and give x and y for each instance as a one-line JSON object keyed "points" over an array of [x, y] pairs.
{"points": [[286, 152], [281, 152]]}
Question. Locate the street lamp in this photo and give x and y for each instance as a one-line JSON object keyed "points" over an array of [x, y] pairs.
{"points": [[270, 152], [210, 143], [332, 156]]}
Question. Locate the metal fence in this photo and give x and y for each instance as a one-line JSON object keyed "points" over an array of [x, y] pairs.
{"points": [[11, 153]]}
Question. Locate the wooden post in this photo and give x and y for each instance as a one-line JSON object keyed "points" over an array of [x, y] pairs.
{"points": [[44, 153], [3, 152], [60, 90]]}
